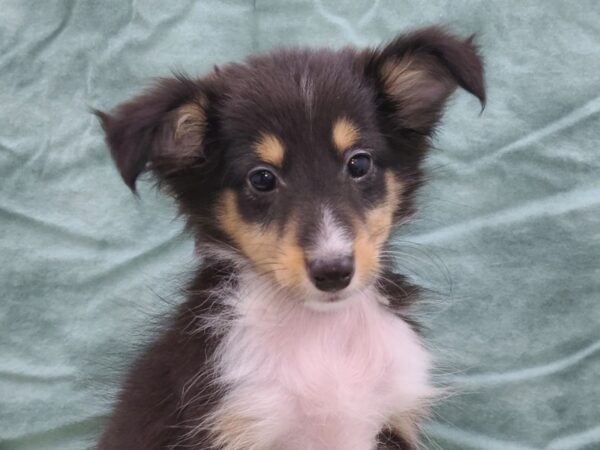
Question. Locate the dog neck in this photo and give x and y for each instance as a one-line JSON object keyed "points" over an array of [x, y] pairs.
{"points": [[296, 378]]}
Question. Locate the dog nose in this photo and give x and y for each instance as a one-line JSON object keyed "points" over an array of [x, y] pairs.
{"points": [[331, 275]]}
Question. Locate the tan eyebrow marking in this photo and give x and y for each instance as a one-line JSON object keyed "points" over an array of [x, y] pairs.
{"points": [[345, 134], [270, 149]]}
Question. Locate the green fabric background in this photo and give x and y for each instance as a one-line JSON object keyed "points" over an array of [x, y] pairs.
{"points": [[508, 237]]}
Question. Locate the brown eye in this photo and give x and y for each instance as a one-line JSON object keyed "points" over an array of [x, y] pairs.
{"points": [[359, 165], [262, 180]]}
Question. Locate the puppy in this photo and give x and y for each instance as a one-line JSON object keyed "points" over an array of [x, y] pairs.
{"points": [[292, 170]]}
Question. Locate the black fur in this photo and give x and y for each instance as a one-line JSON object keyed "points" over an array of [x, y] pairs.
{"points": [[150, 413]]}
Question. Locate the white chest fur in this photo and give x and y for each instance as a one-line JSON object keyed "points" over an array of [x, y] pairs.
{"points": [[299, 379]]}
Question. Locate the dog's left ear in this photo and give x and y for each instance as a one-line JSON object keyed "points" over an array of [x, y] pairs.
{"points": [[163, 130], [416, 73]]}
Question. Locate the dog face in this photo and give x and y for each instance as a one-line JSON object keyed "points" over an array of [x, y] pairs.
{"points": [[298, 163]]}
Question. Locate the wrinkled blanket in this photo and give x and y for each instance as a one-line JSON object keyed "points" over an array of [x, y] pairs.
{"points": [[507, 239]]}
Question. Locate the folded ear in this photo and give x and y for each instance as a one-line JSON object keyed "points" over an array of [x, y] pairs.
{"points": [[161, 130], [416, 73]]}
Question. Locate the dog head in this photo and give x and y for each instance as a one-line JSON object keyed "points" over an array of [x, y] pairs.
{"points": [[298, 163]]}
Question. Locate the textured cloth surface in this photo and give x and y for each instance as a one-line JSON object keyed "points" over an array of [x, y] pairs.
{"points": [[507, 238]]}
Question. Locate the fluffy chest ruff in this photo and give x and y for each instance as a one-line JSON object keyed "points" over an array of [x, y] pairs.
{"points": [[295, 378]]}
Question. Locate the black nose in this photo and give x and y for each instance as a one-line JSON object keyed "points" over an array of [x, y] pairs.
{"points": [[331, 274]]}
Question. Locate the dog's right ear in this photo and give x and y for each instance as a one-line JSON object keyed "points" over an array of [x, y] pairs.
{"points": [[162, 130]]}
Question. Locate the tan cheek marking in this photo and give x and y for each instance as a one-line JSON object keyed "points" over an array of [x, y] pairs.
{"points": [[255, 242], [365, 255], [291, 257], [270, 149], [372, 234], [345, 135], [278, 256]]}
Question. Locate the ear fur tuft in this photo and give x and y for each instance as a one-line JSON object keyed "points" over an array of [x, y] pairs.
{"points": [[419, 71], [158, 129]]}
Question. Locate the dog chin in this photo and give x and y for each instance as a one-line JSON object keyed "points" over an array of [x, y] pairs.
{"points": [[330, 301]]}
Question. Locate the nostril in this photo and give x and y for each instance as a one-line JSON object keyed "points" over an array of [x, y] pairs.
{"points": [[332, 274]]}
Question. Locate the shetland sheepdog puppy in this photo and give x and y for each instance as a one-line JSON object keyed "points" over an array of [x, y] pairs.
{"points": [[292, 170]]}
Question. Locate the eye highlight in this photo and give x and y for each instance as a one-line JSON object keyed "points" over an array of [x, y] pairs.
{"points": [[262, 180], [359, 165]]}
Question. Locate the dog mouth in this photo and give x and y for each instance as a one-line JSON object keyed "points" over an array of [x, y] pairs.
{"points": [[329, 301], [334, 298]]}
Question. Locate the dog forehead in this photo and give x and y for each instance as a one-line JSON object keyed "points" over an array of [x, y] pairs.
{"points": [[294, 95]]}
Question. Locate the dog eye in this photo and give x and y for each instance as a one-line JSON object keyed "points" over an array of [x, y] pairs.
{"points": [[262, 180], [359, 165]]}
